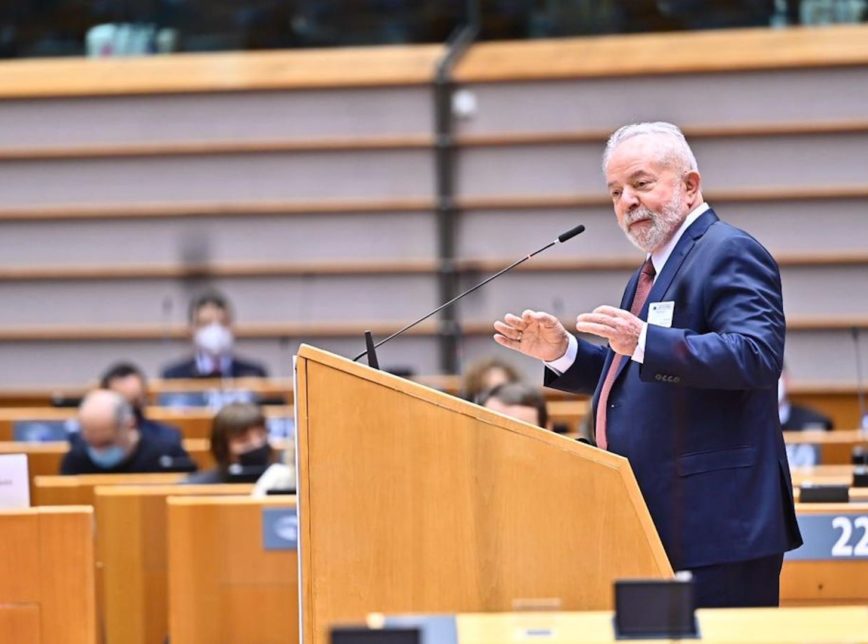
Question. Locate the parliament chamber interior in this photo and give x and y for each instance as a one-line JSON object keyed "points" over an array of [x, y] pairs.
{"points": [[206, 207]]}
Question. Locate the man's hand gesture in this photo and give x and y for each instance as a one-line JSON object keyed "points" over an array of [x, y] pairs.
{"points": [[535, 334]]}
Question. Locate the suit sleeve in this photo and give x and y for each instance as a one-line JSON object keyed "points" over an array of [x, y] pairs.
{"points": [[742, 344], [583, 376]]}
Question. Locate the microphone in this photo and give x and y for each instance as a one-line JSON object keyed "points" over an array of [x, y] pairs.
{"points": [[562, 238], [860, 384]]}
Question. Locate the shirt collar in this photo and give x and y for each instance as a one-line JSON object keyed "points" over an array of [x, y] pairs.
{"points": [[659, 256], [206, 364]]}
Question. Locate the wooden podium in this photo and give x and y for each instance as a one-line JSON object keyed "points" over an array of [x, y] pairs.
{"points": [[413, 501]]}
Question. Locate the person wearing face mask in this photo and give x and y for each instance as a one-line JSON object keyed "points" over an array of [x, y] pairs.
{"points": [[129, 381], [111, 443], [213, 344], [239, 440]]}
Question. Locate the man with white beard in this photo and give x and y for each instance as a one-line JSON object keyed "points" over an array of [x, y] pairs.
{"points": [[687, 387]]}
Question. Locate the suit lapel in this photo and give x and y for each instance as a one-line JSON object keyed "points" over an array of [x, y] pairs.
{"points": [[670, 270], [679, 253]]}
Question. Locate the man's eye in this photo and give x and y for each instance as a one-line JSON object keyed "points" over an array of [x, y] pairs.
{"points": [[615, 194]]}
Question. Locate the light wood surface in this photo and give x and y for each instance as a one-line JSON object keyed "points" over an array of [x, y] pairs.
{"points": [[823, 475], [450, 506], [47, 576], [222, 72], [723, 50], [79, 490], [218, 147], [43, 459], [733, 626], [131, 550], [617, 55], [805, 582], [193, 210], [836, 447], [224, 587]]}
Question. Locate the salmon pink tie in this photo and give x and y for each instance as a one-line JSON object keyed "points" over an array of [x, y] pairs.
{"points": [[646, 281]]}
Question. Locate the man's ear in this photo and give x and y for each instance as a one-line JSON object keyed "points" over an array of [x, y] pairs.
{"points": [[692, 186]]}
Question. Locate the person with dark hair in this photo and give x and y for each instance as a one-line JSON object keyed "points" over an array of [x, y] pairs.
{"points": [[519, 401], [129, 381], [112, 444], [485, 374], [213, 343], [238, 437]]}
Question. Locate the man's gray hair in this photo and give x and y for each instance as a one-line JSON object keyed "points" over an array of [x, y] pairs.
{"points": [[674, 149]]}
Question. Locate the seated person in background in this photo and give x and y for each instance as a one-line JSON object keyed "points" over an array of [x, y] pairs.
{"points": [[112, 444], [129, 381], [210, 327], [519, 401], [238, 437], [486, 374], [797, 417]]}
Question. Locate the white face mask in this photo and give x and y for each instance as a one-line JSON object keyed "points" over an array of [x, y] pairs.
{"points": [[214, 339]]}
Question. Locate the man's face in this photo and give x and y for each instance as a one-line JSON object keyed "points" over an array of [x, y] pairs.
{"points": [[100, 431], [132, 389], [650, 197], [208, 314]]}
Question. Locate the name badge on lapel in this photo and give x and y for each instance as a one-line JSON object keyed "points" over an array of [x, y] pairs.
{"points": [[660, 313]]}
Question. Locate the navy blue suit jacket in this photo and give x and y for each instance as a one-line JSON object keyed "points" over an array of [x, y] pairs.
{"points": [[698, 420], [238, 369]]}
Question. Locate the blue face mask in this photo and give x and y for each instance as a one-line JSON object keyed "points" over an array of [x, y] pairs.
{"points": [[107, 457]]}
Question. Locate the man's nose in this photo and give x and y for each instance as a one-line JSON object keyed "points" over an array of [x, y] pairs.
{"points": [[629, 198]]}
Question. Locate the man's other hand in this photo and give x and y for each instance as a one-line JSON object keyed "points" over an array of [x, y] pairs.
{"points": [[536, 334]]}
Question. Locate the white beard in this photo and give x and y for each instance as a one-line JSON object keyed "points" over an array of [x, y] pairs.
{"points": [[663, 223]]}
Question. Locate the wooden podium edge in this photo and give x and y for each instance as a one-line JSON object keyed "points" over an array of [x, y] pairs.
{"points": [[308, 353]]}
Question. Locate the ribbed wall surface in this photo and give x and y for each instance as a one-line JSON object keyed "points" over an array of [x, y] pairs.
{"points": [[105, 247]]}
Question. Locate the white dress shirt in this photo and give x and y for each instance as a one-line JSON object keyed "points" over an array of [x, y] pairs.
{"points": [[658, 259]]}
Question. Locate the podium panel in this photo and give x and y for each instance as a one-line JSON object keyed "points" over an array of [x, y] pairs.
{"points": [[411, 500]]}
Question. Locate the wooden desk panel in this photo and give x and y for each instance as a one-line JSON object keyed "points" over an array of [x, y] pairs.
{"points": [[79, 490], [224, 587], [825, 582], [47, 589], [131, 549]]}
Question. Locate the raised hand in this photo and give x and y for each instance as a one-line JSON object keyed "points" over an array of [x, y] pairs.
{"points": [[535, 334], [621, 328]]}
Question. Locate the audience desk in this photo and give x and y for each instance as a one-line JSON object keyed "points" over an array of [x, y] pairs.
{"points": [[47, 588], [131, 550], [226, 583]]}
